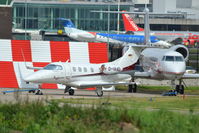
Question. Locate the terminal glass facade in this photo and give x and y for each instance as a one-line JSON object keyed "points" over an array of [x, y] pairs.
{"points": [[43, 16]]}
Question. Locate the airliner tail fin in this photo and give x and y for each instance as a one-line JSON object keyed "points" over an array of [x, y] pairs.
{"points": [[67, 23], [129, 24]]}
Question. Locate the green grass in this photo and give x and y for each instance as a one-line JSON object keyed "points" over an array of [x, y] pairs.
{"points": [[170, 103], [53, 117], [103, 115], [160, 89]]}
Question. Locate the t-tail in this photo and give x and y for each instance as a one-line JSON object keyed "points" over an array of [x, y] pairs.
{"points": [[69, 27], [129, 24], [128, 60], [67, 23]]}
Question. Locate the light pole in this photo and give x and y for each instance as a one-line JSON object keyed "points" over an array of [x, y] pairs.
{"points": [[197, 56], [118, 17], [25, 19], [108, 24]]}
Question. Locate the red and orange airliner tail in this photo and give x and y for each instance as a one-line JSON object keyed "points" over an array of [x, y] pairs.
{"points": [[129, 24]]}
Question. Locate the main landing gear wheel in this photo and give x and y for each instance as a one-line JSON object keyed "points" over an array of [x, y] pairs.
{"points": [[71, 92], [132, 88], [99, 93]]}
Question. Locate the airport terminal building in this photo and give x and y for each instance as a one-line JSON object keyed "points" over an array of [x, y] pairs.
{"points": [[43, 15]]}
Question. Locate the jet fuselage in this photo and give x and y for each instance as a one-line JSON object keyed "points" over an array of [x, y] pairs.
{"points": [[163, 63]]}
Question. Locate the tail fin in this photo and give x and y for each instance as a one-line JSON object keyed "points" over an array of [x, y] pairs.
{"points": [[69, 27], [67, 23], [129, 59], [129, 24]]}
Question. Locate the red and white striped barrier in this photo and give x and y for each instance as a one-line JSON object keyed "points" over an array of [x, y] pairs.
{"points": [[41, 53]]}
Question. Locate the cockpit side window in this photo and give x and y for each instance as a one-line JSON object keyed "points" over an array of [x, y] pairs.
{"points": [[53, 67], [169, 58], [178, 58]]}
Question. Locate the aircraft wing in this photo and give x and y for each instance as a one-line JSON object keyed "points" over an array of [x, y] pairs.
{"points": [[191, 76], [137, 74], [83, 84], [141, 75]]}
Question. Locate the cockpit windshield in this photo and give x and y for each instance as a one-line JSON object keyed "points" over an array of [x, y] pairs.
{"points": [[53, 67], [173, 58], [178, 58], [169, 58]]}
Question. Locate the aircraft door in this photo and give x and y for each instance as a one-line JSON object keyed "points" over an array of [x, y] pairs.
{"points": [[67, 71]]}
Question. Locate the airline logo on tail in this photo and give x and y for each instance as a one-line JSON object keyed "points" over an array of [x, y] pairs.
{"points": [[129, 24], [67, 23]]}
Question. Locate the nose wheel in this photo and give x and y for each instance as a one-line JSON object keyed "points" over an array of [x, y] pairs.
{"points": [[179, 88], [39, 92]]}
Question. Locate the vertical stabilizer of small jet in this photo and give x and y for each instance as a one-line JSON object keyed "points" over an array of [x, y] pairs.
{"points": [[21, 72], [129, 24], [130, 57]]}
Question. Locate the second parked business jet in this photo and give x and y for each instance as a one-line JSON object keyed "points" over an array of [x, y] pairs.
{"points": [[163, 64], [86, 75]]}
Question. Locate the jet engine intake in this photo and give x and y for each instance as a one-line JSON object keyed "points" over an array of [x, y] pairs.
{"points": [[182, 50]]}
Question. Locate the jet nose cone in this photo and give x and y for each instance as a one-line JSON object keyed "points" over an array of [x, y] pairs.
{"points": [[37, 77], [174, 71], [31, 78]]}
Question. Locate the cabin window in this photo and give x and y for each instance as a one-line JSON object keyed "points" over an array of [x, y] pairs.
{"points": [[92, 70], [85, 69], [79, 69], [74, 69]]}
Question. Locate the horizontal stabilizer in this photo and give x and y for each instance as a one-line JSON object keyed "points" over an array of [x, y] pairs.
{"points": [[141, 75], [34, 68]]}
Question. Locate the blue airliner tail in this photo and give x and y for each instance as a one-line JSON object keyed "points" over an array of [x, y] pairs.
{"points": [[67, 23]]}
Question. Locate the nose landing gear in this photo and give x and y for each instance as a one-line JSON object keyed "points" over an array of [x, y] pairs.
{"points": [[178, 88]]}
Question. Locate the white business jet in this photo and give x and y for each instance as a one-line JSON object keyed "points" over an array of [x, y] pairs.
{"points": [[86, 75]]}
